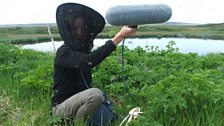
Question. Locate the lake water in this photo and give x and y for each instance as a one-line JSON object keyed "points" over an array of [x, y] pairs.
{"points": [[200, 46]]}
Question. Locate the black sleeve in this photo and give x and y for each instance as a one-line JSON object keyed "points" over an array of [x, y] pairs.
{"points": [[75, 59]]}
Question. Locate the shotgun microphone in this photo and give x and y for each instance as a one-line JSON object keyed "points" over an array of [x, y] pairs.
{"points": [[133, 15]]}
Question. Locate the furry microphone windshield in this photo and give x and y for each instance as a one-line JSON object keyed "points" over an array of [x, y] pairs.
{"points": [[134, 15]]}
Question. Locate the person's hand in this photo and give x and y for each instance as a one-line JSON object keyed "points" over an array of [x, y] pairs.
{"points": [[125, 32]]}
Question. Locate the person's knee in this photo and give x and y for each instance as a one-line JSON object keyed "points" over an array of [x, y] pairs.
{"points": [[97, 95], [94, 101]]}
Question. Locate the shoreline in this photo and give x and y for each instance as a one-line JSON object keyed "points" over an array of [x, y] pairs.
{"points": [[42, 40], [29, 35]]}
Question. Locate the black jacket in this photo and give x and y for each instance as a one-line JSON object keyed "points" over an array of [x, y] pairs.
{"points": [[67, 66]]}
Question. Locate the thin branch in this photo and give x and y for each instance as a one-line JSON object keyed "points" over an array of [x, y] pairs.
{"points": [[52, 38]]}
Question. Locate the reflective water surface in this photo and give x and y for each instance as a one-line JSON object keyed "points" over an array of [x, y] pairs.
{"points": [[200, 46]]}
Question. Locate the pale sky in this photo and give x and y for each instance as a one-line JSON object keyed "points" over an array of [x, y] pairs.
{"points": [[43, 11]]}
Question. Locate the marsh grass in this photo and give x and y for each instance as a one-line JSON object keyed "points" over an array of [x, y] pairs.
{"points": [[22, 111]]}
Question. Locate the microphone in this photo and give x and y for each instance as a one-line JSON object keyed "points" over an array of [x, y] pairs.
{"points": [[133, 15]]}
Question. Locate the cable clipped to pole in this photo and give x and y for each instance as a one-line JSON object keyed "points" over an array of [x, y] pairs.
{"points": [[123, 76]]}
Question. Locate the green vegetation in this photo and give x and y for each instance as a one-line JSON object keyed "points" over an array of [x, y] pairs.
{"points": [[172, 89], [24, 35]]}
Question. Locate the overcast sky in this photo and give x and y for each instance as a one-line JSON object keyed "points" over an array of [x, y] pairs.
{"points": [[43, 11]]}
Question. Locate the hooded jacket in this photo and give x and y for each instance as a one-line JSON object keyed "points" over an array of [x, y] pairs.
{"points": [[73, 57]]}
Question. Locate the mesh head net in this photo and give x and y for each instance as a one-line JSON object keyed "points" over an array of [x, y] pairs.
{"points": [[78, 25]]}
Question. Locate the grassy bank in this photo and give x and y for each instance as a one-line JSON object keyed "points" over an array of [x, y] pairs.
{"points": [[23, 35], [172, 89], [20, 103]]}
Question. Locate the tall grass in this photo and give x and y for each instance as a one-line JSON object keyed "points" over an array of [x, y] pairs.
{"points": [[21, 108], [22, 105]]}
